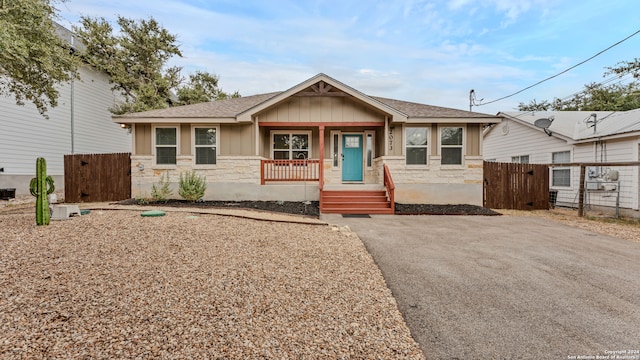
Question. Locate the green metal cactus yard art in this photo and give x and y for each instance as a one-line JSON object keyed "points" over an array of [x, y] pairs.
{"points": [[40, 187]]}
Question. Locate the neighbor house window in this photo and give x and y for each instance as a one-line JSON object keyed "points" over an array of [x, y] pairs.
{"points": [[166, 145], [416, 145], [522, 159], [561, 176], [291, 145], [451, 145], [206, 145]]}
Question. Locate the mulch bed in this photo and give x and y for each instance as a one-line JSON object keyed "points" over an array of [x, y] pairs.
{"points": [[312, 209]]}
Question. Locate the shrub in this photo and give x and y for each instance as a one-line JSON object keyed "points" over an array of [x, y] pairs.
{"points": [[192, 186], [163, 190]]}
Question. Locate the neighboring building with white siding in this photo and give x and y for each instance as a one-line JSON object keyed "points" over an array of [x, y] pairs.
{"points": [[81, 123], [572, 137]]}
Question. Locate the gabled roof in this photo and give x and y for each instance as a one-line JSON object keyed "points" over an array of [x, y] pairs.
{"points": [[577, 126], [242, 109]]}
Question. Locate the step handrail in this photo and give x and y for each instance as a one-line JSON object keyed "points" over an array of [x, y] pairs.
{"points": [[390, 186]]}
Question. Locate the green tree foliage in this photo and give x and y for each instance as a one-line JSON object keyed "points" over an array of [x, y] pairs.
{"points": [[136, 59], [33, 59], [598, 97], [594, 97], [202, 87]]}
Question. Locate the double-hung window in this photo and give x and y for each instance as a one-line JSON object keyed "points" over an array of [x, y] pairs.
{"points": [[206, 145], [416, 145], [291, 145], [451, 145], [166, 145], [521, 159], [561, 176]]}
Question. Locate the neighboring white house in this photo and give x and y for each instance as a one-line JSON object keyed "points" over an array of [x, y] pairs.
{"points": [[80, 124], [574, 136]]}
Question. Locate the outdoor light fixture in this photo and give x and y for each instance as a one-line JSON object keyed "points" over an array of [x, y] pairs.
{"points": [[123, 126]]}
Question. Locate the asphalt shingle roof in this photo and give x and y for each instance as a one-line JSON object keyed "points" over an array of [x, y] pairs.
{"points": [[229, 108]]}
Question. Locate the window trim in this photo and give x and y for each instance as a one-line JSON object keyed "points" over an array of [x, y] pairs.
{"points": [[290, 133], [520, 159], [335, 156], [194, 146], [426, 146], [154, 145], [554, 169], [461, 146], [368, 133]]}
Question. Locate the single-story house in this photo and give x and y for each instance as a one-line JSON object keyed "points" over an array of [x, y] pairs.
{"points": [[574, 137], [80, 124], [310, 142]]}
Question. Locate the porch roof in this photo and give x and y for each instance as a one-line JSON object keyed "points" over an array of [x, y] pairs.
{"points": [[243, 108]]}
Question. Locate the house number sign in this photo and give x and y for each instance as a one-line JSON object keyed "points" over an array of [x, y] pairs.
{"points": [[390, 138]]}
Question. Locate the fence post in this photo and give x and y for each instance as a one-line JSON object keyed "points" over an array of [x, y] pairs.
{"points": [[581, 192]]}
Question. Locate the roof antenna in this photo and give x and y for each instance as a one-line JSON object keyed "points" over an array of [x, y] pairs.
{"points": [[544, 124], [473, 99]]}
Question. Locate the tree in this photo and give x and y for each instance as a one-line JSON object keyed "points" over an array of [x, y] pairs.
{"points": [[136, 60], [598, 97], [33, 59], [594, 97], [202, 87]]}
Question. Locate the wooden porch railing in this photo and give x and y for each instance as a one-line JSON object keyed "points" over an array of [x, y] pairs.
{"points": [[289, 170], [390, 186]]}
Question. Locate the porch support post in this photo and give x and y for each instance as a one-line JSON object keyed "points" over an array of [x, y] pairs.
{"points": [[321, 165], [257, 125]]}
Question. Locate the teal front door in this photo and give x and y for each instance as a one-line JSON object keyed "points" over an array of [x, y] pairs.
{"points": [[351, 157]]}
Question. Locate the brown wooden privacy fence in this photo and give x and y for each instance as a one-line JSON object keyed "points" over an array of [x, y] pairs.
{"points": [[97, 177], [516, 186]]}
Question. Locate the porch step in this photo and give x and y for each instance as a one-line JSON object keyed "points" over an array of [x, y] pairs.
{"points": [[355, 202]]}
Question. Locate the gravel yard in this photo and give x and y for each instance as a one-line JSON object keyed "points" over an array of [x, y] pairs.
{"points": [[115, 285]]}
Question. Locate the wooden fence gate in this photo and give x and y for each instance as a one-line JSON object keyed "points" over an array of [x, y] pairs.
{"points": [[97, 177], [516, 186]]}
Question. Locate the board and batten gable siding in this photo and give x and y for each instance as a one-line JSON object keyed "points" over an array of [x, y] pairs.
{"points": [[516, 139], [474, 134], [233, 140], [321, 109], [237, 140], [25, 135], [142, 139]]}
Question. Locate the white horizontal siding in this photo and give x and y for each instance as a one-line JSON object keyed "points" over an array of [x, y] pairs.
{"points": [[517, 140], [25, 135]]}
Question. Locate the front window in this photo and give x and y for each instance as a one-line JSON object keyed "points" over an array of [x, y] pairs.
{"points": [[561, 176], [166, 146], [451, 145], [416, 145], [206, 145], [291, 146]]}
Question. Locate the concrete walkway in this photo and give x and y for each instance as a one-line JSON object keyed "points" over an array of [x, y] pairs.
{"points": [[500, 287]]}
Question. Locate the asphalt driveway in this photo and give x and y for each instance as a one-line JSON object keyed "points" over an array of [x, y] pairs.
{"points": [[476, 287]]}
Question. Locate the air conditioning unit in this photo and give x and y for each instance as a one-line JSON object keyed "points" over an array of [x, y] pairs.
{"points": [[594, 185]]}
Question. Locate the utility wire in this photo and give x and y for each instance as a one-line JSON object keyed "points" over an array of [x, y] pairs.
{"points": [[620, 79], [562, 72]]}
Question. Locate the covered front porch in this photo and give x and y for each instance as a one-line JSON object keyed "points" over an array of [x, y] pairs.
{"points": [[344, 161]]}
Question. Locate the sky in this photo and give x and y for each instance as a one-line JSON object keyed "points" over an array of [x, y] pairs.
{"points": [[431, 52]]}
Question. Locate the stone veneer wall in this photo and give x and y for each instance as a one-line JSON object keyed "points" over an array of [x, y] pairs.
{"points": [[436, 183], [232, 178], [238, 178]]}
